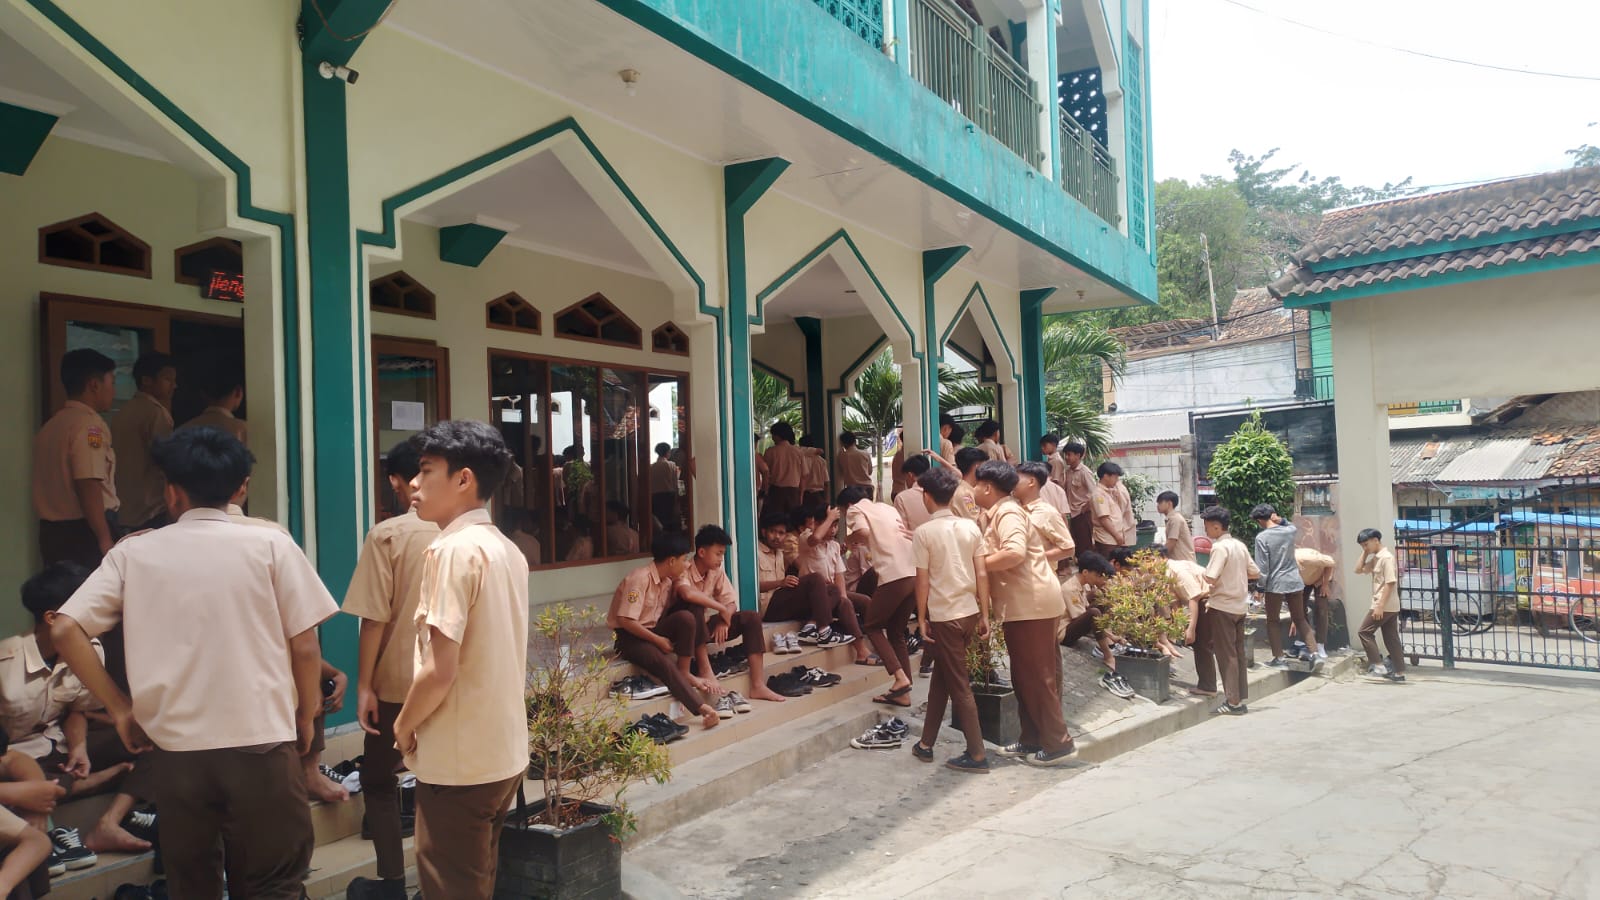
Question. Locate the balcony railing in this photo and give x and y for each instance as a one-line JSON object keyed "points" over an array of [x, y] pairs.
{"points": [[1088, 170], [1308, 385], [864, 17], [956, 59]]}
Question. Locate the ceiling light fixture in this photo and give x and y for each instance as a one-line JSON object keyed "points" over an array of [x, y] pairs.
{"points": [[630, 80]]}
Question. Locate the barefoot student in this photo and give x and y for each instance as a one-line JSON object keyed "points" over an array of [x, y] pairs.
{"points": [[1229, 574], [1028, 602], [225, 772], [953, 607], [383, 594], [705, 588], [878, 527], [463, 729], [660, 642]]}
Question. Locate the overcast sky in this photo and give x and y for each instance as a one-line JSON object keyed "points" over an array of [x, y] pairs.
{"points": [[1224, 77]]}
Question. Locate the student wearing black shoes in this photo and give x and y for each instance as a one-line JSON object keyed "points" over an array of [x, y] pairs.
{"points": [[705, 588], [658, 641]]}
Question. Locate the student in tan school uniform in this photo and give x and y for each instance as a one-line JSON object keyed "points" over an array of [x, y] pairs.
{"points": [[75, 467], [383, 594], [878, 526], [786, 466], [1229, 574], [1190, 588], [1111, 510], [952, 611], [139, 423], [803, 597], [1384, 615], [988, 437], [1316, 570], [220, 767], [1028, 603], [814, 481], [854, 465], [965, 502], [1180, 542], [663, 490], [705, 587], [1058, 546], [1079, 484], [814, 531], [463, 728], [223, 388], [1080, 595], [909, 503], [1049, 445], [659, 642]]}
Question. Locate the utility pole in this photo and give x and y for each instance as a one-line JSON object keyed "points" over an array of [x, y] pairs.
{"points": [[1211, 286]]}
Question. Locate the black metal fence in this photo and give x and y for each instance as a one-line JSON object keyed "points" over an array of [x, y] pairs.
{"points": [[1508, 581]]}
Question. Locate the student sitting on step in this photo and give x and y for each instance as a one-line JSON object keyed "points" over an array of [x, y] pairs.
{"points": [[821, 555], [705, 589], [659, 642], [1081, 596], [25, 847], [787, 597]]}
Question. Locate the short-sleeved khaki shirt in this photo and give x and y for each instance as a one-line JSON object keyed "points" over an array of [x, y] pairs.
{"points": [[946, 546], [713, 582], [475, 593], [1055, 495], [1313, 564], [208, 607], [663, 477], [222, 420], [1028, 590], [816, 474], [140, 422], [35, 697], [1230, 571], [1080, 484], [993, 450], [386, 587], [822, 558], [1058, 470], [1046, 520], [75, 445], [854, 467], [913, 510], [887, 538], [965, 504], [1190, 576], [643, 596], [1178, 529], [1103, 502], [786, 465], [1384, 571], [1130, 522], [770, 566]]}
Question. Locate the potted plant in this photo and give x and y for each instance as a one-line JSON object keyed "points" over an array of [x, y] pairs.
{"points": [[567, 843], [1140, 610], [1142, 490], [997, 702]]}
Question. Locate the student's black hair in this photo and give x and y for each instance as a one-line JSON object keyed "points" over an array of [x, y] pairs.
{"points": [[1121, 556], [663, 449], [668, 544], [1107, 468], [402, 461], [1218, 514], [808, 440], [711, 536], [1368, 534], [773, 518], [1037, 470], [466, 444], [219, 377], [1168, 496], [940, 484], [1090, 561], [80, 366], [620, 508], [47, 591], [1051, 438], [986, 429], [957, 435], [1072, 447], [208, 464], [916, 465], [852, 495], [799, 516], [847, 438], [149, 365], [1263, 511], [947, 419], [967, 457], [782, 431], [1001, 474]]}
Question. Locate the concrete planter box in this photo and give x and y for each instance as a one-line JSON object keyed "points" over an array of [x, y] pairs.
{"points": [[537, 861], [1149, 676], [997, 715]]}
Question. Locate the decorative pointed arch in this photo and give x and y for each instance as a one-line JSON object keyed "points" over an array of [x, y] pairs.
{"points": [[96, 243], [399, 293], [669, 338], [597, 320], [509, 312]]}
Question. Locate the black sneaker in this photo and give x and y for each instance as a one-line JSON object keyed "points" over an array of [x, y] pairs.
{"points": [[651, 730], [1228, 709], [69, 846], [1012, 751], [925, 669], [810, 634], [913, 643], [895, 726], [140, 824], [787, 685], [811, 676], [835, 638], [1045, 759], [376, 889], [965, 763], [876, 738], [665, 721], [922, 753], [1395, 677]]}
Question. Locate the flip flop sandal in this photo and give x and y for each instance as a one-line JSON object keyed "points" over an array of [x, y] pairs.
{"points": [[869, 661], [886, 700], [898, 692]]}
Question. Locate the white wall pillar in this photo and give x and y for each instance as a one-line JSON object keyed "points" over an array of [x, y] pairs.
{"points": [[1361, 417], [1041, 47]]}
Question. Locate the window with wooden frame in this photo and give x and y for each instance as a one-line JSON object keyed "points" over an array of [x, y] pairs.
{"points": [[410, 392], [196, 263], [589, 484], [669, 338], [512, 313], [94, 242], [399, 293], [594, 318]]}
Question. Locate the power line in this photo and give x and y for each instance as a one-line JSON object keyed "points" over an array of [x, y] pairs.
{"points": [[1409, 51]]}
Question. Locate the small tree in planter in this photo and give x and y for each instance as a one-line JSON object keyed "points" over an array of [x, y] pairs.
{"points": [[1139, 609], [997, 704], [568, 842], [1142, 489]]}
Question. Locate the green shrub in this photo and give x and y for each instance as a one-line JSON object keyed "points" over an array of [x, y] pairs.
{"points": [[1253, 467]]}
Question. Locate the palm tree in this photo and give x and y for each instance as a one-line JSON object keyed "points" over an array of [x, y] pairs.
{"points": [[771, 402], [873, 408]]}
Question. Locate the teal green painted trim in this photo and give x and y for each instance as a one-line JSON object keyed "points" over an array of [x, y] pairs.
{"points": [[334, 29], [816, 414], [931, 146], [1488, 273], [902, 35], [782, 281], [1033, 374], [1019, 44], [846, 379], [468, 245], [742, 185], [288, 267], [22, 133], [978, 292], [1439, 248], [935, 265]]}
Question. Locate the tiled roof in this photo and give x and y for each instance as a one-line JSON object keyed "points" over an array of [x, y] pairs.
{"points": [[1497, 218], [1254, 315], [1171, 333]]}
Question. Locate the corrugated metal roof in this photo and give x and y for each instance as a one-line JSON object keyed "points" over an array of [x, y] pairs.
{"points": [[1469, 459], [1155, 428]]}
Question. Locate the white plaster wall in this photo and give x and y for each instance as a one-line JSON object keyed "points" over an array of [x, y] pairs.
{"points": [[1161, 463]]}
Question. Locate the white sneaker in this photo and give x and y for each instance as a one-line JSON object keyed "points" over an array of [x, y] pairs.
{"points": [[794, 642], [1378, 671]]}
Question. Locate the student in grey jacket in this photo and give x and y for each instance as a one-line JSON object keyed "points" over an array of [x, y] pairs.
{"points": [[1280, 581]]}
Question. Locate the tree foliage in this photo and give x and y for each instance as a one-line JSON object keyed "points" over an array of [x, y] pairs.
{"points": [[873, 408], [1584, 155], [771, 401], [1252, 467], [1139, 606]]}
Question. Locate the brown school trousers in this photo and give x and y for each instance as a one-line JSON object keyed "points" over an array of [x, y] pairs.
{"points": [[1389, 624], [458, 837], [69, 541], [1081, 527], [782, 499], [380, 784], [809, 601], [1297, 615], [887, 617], [1036, 678], [950, 683], [1317, 607], [746, 624], [679, 627], [1205, 662], [254, 799], [1227, 644], [105, 749], [1080, 626]]}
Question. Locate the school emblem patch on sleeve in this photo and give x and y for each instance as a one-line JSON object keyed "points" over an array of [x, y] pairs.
{"points": [[633, 597], [95, 438]]}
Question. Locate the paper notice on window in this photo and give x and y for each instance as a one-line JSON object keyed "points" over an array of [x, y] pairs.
{"points": [[407, 415]]}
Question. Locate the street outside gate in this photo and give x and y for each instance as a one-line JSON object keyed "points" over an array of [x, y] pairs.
{"points": [[1512, 582]]}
